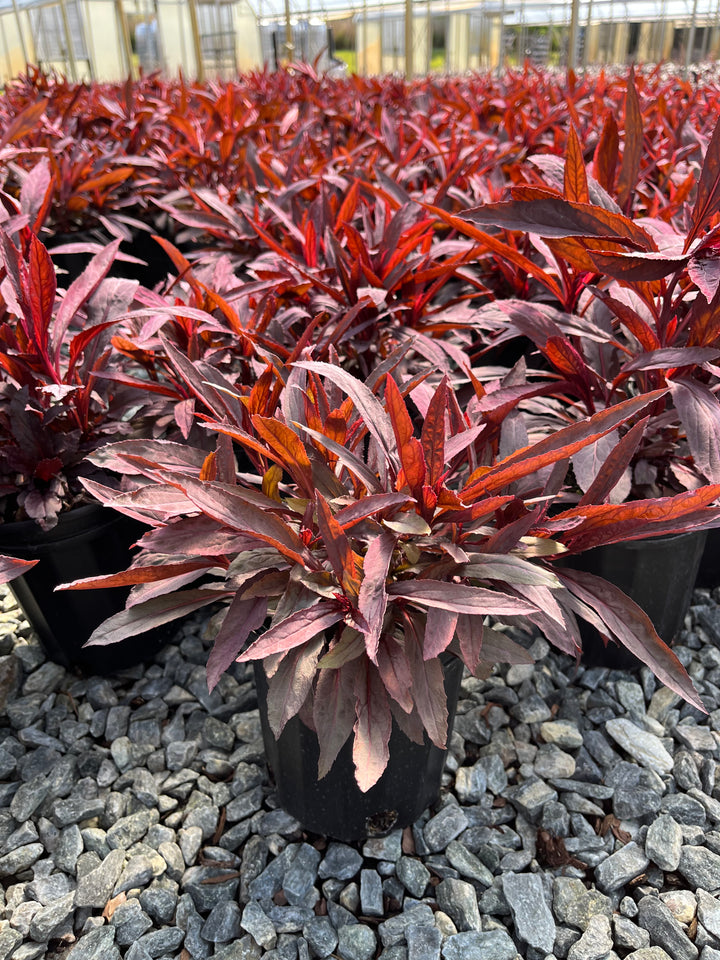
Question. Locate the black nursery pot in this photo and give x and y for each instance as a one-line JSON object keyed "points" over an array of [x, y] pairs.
{"points": [[658, 574], [335, 806], [87, 541]]}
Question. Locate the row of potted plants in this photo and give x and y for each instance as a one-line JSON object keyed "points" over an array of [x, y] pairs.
{"points": [[389, 384]]}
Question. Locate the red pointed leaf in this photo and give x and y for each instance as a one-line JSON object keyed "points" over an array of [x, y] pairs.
{"points": [[394, 669], [637, 267], [333, 714], [704, 271], [470, 637], [373, 726], [291, 683], [707, 200], [633, 146], [25, 122], [671, 357], [11, 567], [439, 631], [575, 179], [699, 411], [428, 689], [290, 450], [433, 434], [458, 597], [80, 291], [398, 413], [606, 154], [340, 554], [555, 217], [633, 628], [149, 574], [613, 466], [298, 628], [372, 598], [242, 618], [153, 613]]}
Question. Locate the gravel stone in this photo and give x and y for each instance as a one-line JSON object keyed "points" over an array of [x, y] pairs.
{"points": [[664, 929], [628, 935], [476, 945], [47, 920], [224, 923], [663, 843], [95, 888], [371, 893], [575, 905], [321, 936], [20, 859], [708, 912], [534, 923], [458, 900], [98, 944], [700, 867], [595, 943], [621, 867], [356, 942], [467, 864], [423, 943], [644, 747]]}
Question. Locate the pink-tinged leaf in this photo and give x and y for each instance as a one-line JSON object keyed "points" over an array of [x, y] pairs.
{"points": [[80, 291], [146, 591], [372, 598], [581, 528], [397, 410], [671, 357], [41, 290], [470, 638], [591, 461], [184, 414], [707, 200], [347, 458], [633, 146], [340, 554], [564, 636], [195, 536], [298, 628], [433, 434], [290, 685], [373, 726], [121, 457], [626, 621], [242, 618], [607, 485], [25, 122], [704, 271], [409, 723], [439, 631], [149, 574], [394, 669], [36, 193], [458, 597], [11, 567], [499, 648], [371, 506], [459, 442], [428, 689], [555, 217], [371, 411], [153, 613], [699, 412], [575, 183], [240, 514], [637, 267], [560, 445], [333, 714], [606, 154]]}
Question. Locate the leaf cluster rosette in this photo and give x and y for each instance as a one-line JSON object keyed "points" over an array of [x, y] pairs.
{"points": [[380, 535], [56, 407]]}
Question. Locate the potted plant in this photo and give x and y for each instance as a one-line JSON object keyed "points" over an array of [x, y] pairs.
{"points": [[638, 311], [55, 408], [359, 571]]}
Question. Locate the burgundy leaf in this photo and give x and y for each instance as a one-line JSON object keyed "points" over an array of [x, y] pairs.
{"points": [[626, 621], [153, 613], [458, 597], [238, 513], [242, 618], [637, 267], [439, 632], [704, 271], [614, 468], [149, 574], [372, 598], [298, 628], [433, 433], [339, 552], [394, 668], [370, 506], [373, 726], [671, 357], [428, 690], [707, 200], [291, 683], [555, 217], [699, 412], [499, 648], [11, 567], [80, 291], [633, 147], [333, 714], [470, 633], [589, 462]]}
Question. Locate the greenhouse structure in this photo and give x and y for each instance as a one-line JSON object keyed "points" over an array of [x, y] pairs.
{"points": [[111, 39]]}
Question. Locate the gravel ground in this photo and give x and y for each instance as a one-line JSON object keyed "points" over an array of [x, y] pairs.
{"points": [[580, 818]]}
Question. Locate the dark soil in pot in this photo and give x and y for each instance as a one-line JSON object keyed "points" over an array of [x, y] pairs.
{"points": [[658, 574], [335, 806], [88, 541]]}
